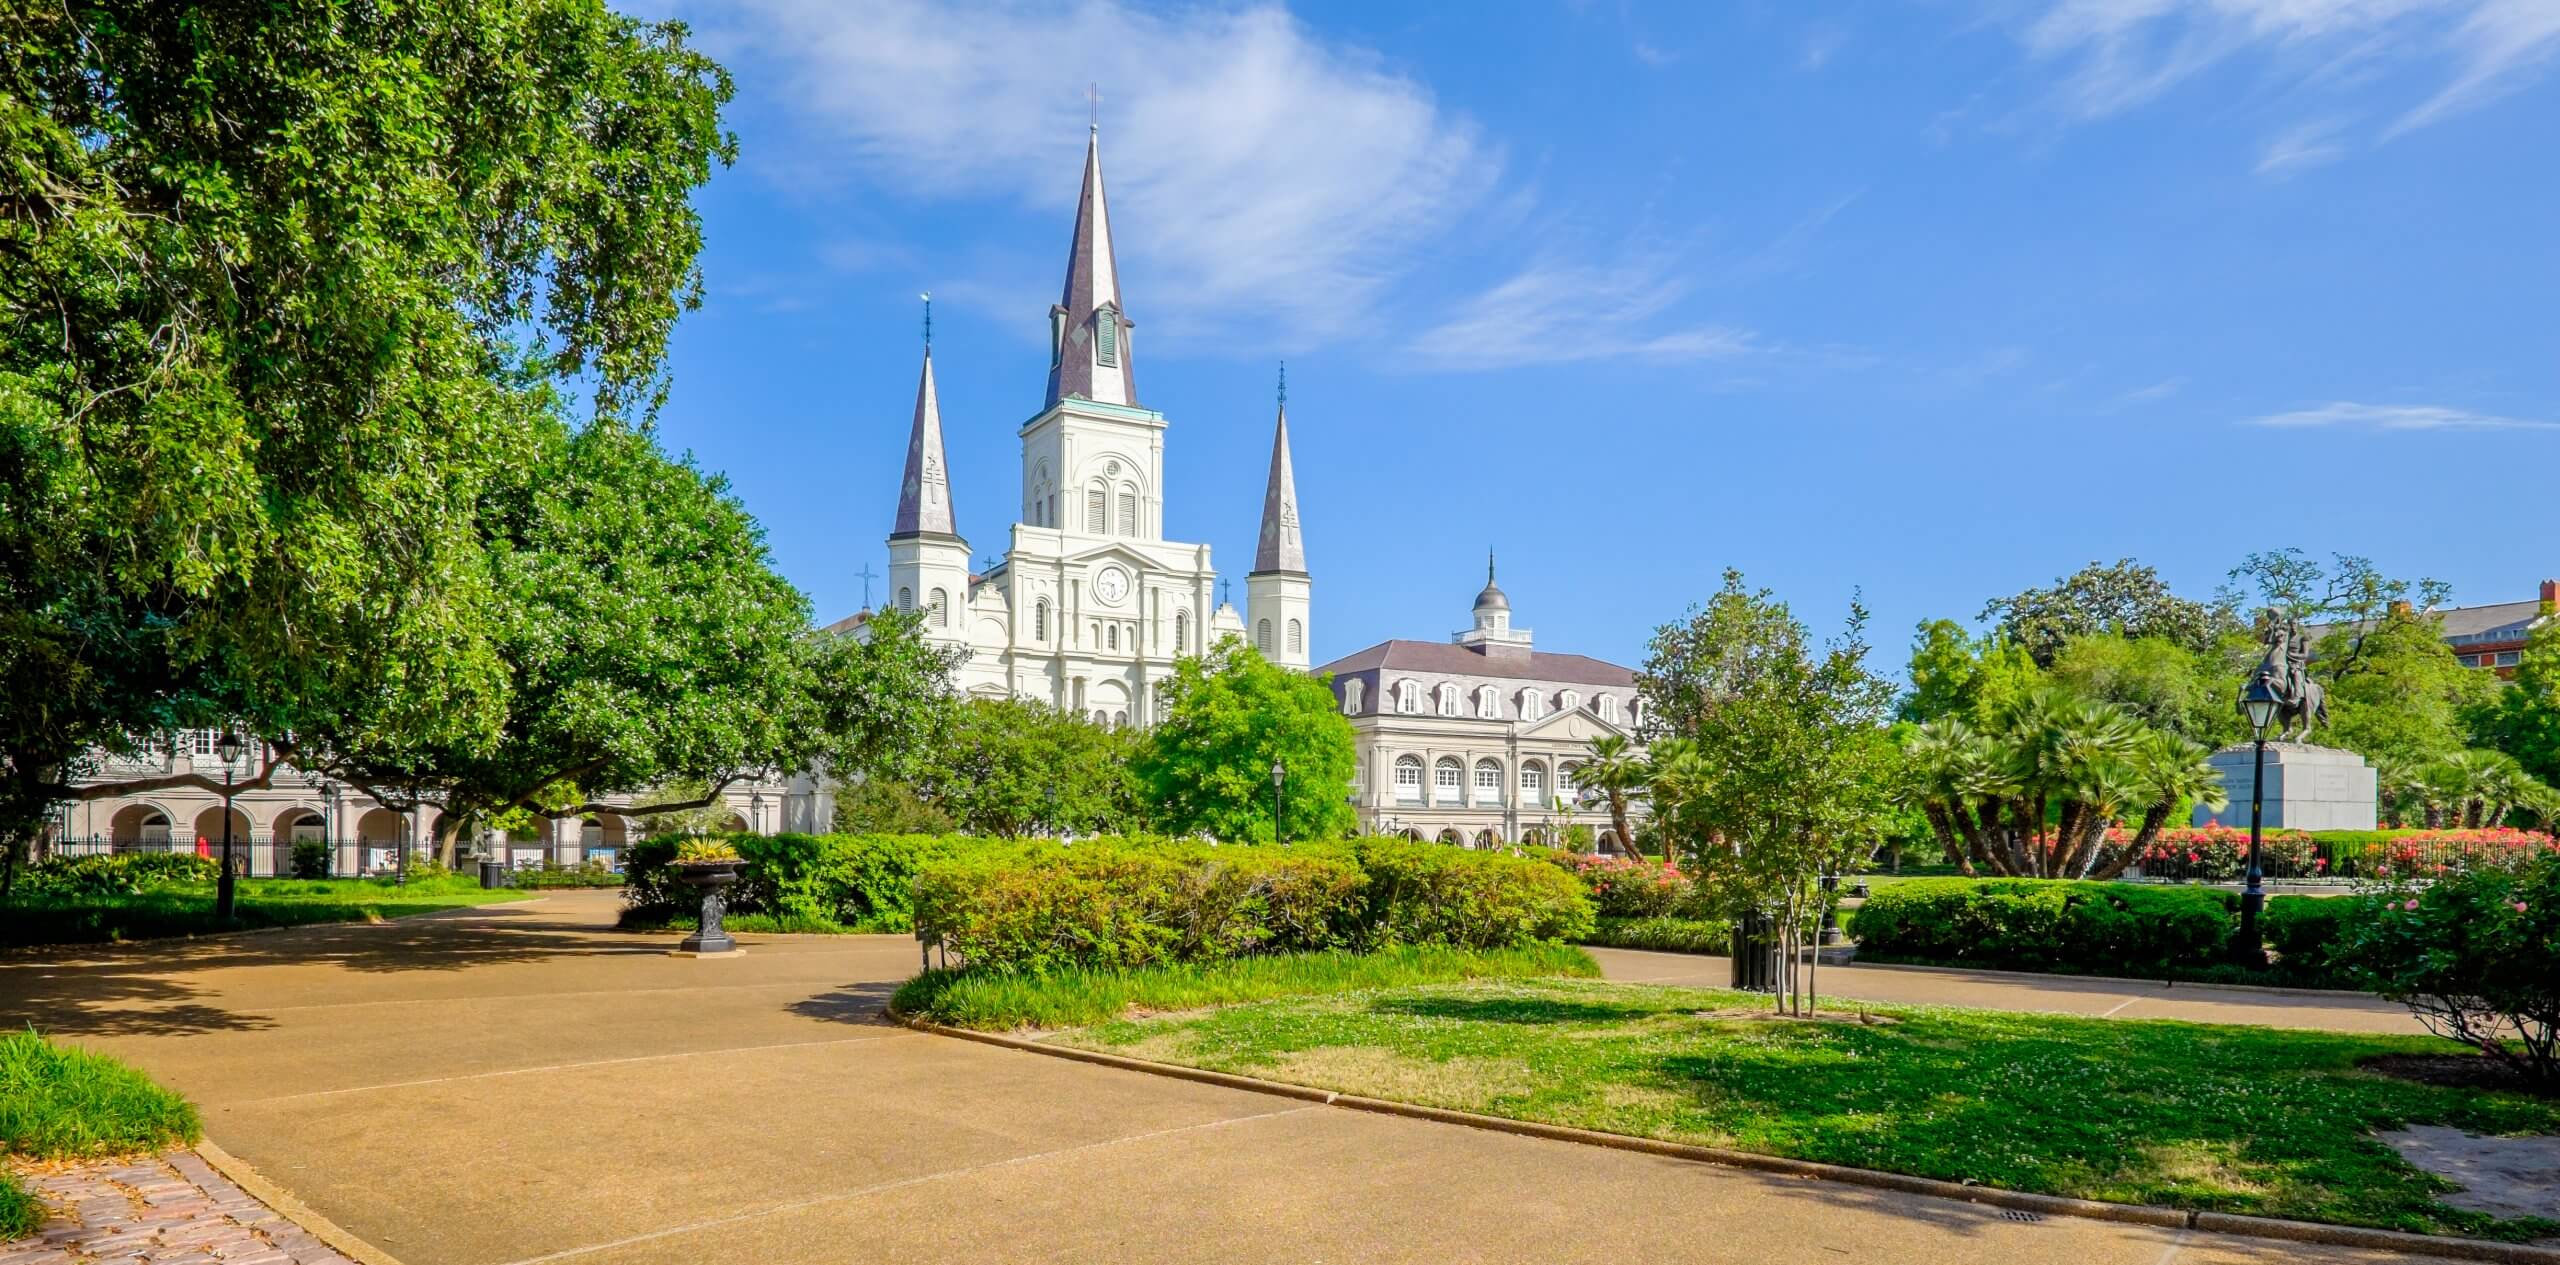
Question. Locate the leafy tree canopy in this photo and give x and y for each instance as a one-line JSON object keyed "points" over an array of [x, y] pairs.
{"points": [[2524, 722], [2396, 691], [2190, 693], [2125, 598], [1013, 767], [1776, 765], [1207, 768], [287, 290]]}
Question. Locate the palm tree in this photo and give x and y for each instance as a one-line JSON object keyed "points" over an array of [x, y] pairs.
{"points": [[1619, 775], [2173, 771], [1674, 776], [2051, 745], [1945, 767]]}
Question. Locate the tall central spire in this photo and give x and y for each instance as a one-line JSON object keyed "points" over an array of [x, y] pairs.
{"points": [[1088, 329], [1281, 548], [924, 498]]}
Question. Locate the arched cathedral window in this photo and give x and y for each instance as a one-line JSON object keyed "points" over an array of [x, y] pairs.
{"points": [[941, 609], [1262, 636], [1128, 510], [1182, 632], [906, 598], [1297, 637], [1040, 620], [1097, 510]]}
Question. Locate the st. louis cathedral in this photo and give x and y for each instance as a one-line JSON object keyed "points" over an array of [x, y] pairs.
{"points": [[1091, 605]]}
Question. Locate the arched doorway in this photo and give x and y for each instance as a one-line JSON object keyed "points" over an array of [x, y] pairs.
{"points": [[734, 824], [1451, 835], [1413, 834], [1609, 842], [300, 831], [138, 828], [1488, 839], [377, 835], [206, 837]]}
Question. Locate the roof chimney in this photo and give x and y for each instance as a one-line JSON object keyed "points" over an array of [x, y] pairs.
{"points": [[2551, 592]]}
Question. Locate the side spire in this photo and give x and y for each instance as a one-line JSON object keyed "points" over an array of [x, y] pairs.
{"points": [[1089, 329], [1281, 547], [924, 498]]}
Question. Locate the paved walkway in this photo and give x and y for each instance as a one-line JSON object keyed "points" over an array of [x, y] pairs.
{"points": [[171, 1210], [523, 1084]]}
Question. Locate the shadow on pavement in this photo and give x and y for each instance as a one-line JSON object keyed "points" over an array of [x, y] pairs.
{"points": [[142, 988], [857, 1003]]}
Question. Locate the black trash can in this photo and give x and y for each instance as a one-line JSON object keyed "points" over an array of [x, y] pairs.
{"points": [[492, 873], [1755, 953]]}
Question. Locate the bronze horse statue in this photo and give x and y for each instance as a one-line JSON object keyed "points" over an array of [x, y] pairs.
{"points": [[2300, 701]]}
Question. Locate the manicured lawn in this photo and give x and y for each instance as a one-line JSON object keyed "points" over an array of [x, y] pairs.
{"points": [[58, 1103], [1066, 999], [2233, 1119], [262, 902], [1667, 935]]}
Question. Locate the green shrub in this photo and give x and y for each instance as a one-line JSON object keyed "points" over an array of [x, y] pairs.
{"points": [[2472, 955], [1107, 905], [310, 859], [1432, 893], [850, 882], [58, 1102], [119, 874], [2059, 926], [552, 874], [1628, 887], [2304, 934], [1668, 935], [20, 1214]]}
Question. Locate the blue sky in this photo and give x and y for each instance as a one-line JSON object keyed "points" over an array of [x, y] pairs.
{"points": [[1932, 301]]}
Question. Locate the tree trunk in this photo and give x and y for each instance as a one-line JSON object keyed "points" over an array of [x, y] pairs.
{"points": [[2153, 818], [1618, 820], [448, 833], [2435, 815], [1944, 827]]}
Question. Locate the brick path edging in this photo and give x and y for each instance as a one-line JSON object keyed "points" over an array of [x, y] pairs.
{"points": [[181, 1207], [2428, 1245]]}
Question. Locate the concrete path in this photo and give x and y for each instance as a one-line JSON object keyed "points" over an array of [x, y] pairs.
{"points": [[2064, 994], [523, 1084]]}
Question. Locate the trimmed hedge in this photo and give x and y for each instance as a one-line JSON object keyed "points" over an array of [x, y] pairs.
{"points": [[2057, 926], [819, 882], [2307, 937], [1109, 905]]}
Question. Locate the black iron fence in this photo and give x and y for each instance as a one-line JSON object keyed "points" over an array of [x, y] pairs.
{"points": [[2221, 855], [254, 858]]}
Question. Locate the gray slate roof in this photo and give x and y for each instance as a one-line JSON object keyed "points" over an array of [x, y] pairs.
{"points": [[1281, 547], [2496, 622], [1455, 660], [924, 497], [1093, 281]]}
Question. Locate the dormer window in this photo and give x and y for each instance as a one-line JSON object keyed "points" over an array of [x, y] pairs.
{"points": [[1106, 336]]}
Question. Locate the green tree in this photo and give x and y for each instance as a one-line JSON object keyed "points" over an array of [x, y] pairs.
{"points": [[2396, 691], [1781, 770], [1954, 674], [1207, 768], [645, 640], [1011, 767], [2126, 598], [2165, 685], [1618, 775], [286, 290], [2524, 721]]}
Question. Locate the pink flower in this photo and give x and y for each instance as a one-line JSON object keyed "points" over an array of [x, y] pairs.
{"points": [[2413, 903], [2519, 906]]}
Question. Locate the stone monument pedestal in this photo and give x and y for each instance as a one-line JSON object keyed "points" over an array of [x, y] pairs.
{"points": [[2308, 788]]}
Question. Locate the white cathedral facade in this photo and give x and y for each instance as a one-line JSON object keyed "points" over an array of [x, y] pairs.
{"points": [[1090, 605]]}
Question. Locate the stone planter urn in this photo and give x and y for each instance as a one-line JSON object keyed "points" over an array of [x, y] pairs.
{"points": [[710, 878]]}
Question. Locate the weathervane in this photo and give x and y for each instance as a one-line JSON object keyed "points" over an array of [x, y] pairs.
{"points": [[1284, 384], [927, 296]]}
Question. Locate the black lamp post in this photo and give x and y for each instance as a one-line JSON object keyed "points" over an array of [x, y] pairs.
{"points": [[755, 812], [2259, 701], [1278, 775], [229, 748], [329, 827]]}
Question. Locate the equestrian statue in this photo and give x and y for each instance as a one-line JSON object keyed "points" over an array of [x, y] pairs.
{"points": [[2286, 670]]}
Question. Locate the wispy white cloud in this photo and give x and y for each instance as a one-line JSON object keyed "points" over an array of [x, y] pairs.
{"points": [[1275, 179], [2397, 417], [2115, 55], [1553, 313], [2298, 148], [1820, 43], [1654, 54]]}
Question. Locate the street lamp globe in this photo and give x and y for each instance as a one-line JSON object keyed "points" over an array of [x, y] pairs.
{"points": [[1277, 773], [229, 745], [2259, 701]]}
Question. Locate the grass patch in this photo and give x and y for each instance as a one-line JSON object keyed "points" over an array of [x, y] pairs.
{"points": [[187, 909], [59, 1103], [1065, 999], [1667, 935], [2227, 1118]]}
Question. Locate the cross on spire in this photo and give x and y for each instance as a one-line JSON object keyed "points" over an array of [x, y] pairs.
{"points": [[868, 575], [1488, 564], [927, 296], [1284, 384]]}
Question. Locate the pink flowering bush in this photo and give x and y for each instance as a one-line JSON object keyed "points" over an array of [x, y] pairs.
{"points": [[2222, 852], [2471, 953], [1629, 887], [2432, 853]]}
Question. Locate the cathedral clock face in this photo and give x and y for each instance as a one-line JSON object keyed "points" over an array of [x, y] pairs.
{"points": [[1112, 585]]}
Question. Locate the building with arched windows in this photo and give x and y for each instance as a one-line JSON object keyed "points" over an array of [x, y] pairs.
{"points": [[1475, 740], [1090, 605]]}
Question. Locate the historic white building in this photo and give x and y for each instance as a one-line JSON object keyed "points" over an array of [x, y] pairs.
{"points": [[1475, 740], [1090, 605]]}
